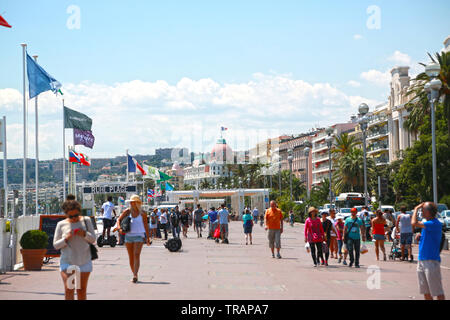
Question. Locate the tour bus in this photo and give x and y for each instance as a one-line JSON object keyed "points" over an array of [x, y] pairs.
{"points": [[349, 200]]}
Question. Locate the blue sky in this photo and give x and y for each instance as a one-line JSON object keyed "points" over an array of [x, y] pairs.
{"points": [[227, 42]]}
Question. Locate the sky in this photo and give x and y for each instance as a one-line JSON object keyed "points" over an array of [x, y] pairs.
{"points": [[155, 74]]}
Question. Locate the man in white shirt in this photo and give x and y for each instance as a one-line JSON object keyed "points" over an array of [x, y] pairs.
{"points": [[107, 211]]}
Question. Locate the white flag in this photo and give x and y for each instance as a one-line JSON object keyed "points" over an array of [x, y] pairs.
{"points": [[152, 173]]}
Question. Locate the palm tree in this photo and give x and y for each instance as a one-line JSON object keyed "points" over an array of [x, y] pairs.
{"points": [[419, 104], [344, 144]]}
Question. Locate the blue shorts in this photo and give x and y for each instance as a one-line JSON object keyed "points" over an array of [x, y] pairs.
{"points": [[379, 237], [133, 239], [406, 238], [84, 268]]}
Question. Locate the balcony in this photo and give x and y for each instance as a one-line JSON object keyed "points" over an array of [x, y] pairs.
{"points": [[376, 134], [321, 136], [382, 160], [377, 147], [378, 119], [319, 147], [320, 157]]}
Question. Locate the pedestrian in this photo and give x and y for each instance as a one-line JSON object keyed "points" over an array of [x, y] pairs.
{"points": [[367, 224], [429, 261], [198, 220], [213, 222], [224, 218], [73, 236], [314, 235], [390, 222], [333, 234], [153, 225], [163, 221], [378, 229], [291, 218], [255, 215], [248, 226], [107, 212], [403, 224], [273, 222], [158, 225], [352, 237], [175, 222], [185, 222], [327, 226], [137, 235], [339, 225]]}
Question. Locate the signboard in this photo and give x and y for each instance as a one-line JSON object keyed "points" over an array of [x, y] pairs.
{"points": [[48, 224], [110, 189]]}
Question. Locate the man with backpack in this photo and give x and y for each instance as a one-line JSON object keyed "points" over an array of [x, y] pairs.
{"points": [[198, 220], [175, 222], [431, 242]]}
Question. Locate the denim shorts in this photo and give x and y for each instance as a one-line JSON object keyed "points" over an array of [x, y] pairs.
{"points": [[406, 238], [379, 237], [133, 239], [84, 268]]}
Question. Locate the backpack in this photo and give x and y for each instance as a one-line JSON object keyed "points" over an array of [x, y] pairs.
{"points": [[174, 219]]}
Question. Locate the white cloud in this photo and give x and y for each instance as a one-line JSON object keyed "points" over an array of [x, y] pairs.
{"points": [[357, 37], [400, 59], [377, 77], [354, 84], [142, 116]]}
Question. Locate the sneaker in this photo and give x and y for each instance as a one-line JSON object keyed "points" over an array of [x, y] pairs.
{"points": [[273, 255], [315, 265], [322, 263], [356, 265], [278, 255], [340, 259], [350, 264], [217, 240], [326, 263], [344, 263], [246, 243]]}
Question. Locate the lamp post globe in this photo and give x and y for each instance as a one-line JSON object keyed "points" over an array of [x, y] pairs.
{"points": [[363, 109], [435, 85], [433, 70], [329, 131]]}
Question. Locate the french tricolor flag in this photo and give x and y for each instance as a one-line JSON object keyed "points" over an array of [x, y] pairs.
{"points": [[133, 165]]}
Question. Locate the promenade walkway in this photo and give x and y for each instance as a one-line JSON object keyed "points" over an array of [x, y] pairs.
{"points": [[206, 270]]}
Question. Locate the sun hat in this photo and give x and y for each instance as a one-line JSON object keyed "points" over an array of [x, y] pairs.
{"points": [[135, 198], [312, 209]]}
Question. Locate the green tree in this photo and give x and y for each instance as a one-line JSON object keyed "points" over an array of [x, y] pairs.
{"points": [[413, 180]]}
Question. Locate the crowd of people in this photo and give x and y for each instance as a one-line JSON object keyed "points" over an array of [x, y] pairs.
{"points": [[326, 235]]}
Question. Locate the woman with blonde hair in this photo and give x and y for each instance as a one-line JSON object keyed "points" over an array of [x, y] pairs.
{"points": [[137, 234], [73, 237]]}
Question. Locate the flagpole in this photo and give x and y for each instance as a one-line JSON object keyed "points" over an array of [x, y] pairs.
{"points": [[37, 148], [64, 154], [5, 168], [127, 166], [24, 195]]}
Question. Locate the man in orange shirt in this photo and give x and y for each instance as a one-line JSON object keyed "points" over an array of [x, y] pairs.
{"points": [[273, 222]]}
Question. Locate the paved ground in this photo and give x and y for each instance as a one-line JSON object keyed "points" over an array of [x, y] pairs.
{"points": [[206, 270]]}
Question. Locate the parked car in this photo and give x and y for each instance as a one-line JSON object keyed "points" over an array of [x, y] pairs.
{"points": [[446, 217], [384, 207], [441, 207], [346, 212]]}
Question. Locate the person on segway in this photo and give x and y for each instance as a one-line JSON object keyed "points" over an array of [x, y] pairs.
{"points": [[108, 221]]}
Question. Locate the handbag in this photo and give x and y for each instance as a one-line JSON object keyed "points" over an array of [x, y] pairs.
{"points": [[94, 251], [217, 232], [125, 224]]}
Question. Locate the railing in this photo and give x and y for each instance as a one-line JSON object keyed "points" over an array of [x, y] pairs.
{"points": [[320, 145], [322, 156], [373, 133], [377, 146], [378, 118], [381, 160], [322, 166]]}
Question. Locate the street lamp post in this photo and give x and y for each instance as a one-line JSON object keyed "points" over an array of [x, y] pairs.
{"points": [[433, 87], [306, 151], [363, 110], [290, 158], [329, 140]]}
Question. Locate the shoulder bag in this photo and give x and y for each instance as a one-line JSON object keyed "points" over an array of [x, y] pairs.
{"points": [[348, 231], [125, 224], [94, 251]]}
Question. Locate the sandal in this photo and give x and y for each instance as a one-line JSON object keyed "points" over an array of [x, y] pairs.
{"points": [[134, 280]]}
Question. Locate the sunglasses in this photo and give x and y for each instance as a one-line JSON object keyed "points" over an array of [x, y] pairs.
{"points": [[74, 216]]}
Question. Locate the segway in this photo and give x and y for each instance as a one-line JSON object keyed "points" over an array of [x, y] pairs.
{"points": [[112, 241], [173, 245]]}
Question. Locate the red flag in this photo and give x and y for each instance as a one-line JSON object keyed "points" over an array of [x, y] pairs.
{"points": [[4, 23]]}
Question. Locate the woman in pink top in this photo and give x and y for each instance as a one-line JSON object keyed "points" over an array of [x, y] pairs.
{"points": [[314, 235], [339, 224]]}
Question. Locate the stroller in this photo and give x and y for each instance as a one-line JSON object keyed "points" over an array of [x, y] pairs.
{"points": [[396, 251]]}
